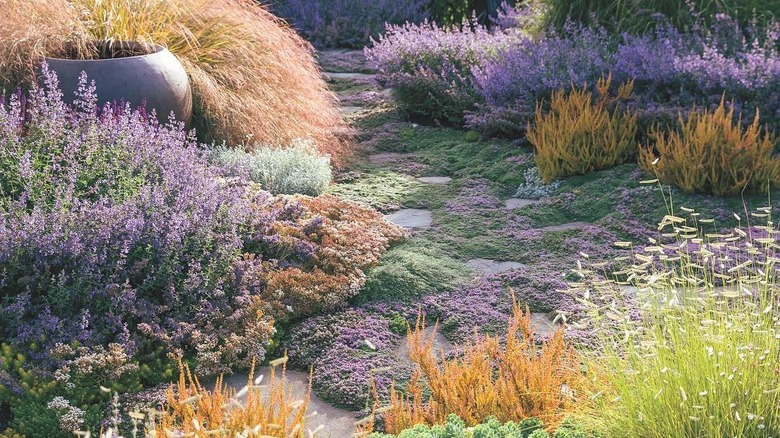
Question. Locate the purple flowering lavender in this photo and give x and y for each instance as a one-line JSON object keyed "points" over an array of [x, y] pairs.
{"points": [[117, 230], [429, 67], [347, 23]]}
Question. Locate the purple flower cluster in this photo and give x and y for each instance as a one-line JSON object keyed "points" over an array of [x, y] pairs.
{"points": [[114, 229], [348, 348], [344, 348], [347, 23], [495, 79], [429, 66]]}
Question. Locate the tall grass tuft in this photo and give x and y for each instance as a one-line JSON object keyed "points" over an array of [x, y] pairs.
{"points": [[690, 332], [581, 134], [252, 76], [508, 378], [266, 410]]}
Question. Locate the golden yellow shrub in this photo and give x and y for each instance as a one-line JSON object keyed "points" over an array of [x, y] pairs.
{"points": [[268, 410], [712, 153], [510, 378], [579, 134]]}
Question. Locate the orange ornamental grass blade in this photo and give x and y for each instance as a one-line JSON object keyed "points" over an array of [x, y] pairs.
{"points": [[510, 378]]}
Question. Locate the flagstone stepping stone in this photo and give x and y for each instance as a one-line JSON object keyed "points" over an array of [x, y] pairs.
{"points": [[387, 92], [388, 157], [348, 76], [347, 110], [566, 227], [435, 179], [543, 325], [411, 218], [440, 344], [513, 203], [343, 60], [487, 266], [337, 422]]}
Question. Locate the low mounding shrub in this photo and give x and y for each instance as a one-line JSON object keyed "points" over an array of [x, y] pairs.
{"points": [[268, 410], [579, 135], [116, 230], [429, 67], [412, 271], [347, 23], [456, 428], [344, 348], [693, 349], [299, 169], [251, 76], [713, 153], [508, 378]]}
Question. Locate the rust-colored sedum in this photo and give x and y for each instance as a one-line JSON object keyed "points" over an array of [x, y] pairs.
{"points": [[266, 410], [510, 378], [579, 134], [712, 153]]}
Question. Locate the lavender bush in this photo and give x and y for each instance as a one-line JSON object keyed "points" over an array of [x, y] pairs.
{"points": [[347, 23], [494, 79], [429, 67], [114, 229]]}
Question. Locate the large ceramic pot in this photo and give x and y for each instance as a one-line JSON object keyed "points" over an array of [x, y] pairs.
{"points": [[137, 75]]}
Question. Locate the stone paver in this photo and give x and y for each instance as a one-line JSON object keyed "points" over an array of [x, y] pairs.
{"points": [[348, 76], [513, 203], [411, 218], [338, 423], [565, 227], [388, 157], [487, 266], [440, 344], [542, 324], [435, 179], [347, 110]]}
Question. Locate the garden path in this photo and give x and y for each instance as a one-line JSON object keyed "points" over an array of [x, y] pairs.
{"points": [[423, 198]]}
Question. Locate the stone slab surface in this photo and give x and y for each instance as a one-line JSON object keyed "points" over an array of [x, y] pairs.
{"points": [[388, 157], [347, 110], [513, 203], [348, 76], [434, 179], [411, 218], [487, 266], [565, 227], [440, 345], [543, 325], [338, 423]]}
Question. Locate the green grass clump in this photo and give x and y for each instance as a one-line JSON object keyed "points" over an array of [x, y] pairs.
{"points": [[694, 351], [620, 16], [490, 428], [299, 169], [413, 269]]}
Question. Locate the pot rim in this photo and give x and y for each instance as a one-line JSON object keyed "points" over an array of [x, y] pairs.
{"points": [[131, 44]]}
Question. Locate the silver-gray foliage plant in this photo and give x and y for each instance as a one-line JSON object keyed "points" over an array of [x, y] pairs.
{"points": [[299, 169], [534, 187]]}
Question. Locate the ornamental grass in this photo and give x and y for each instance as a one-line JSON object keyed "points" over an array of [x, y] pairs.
{"points": [[581, 134], [689, 331], [252, 76], [258, 409], [509, 378]]}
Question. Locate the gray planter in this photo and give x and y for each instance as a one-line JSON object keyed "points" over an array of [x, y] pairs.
{"points": [[158, 79]]}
